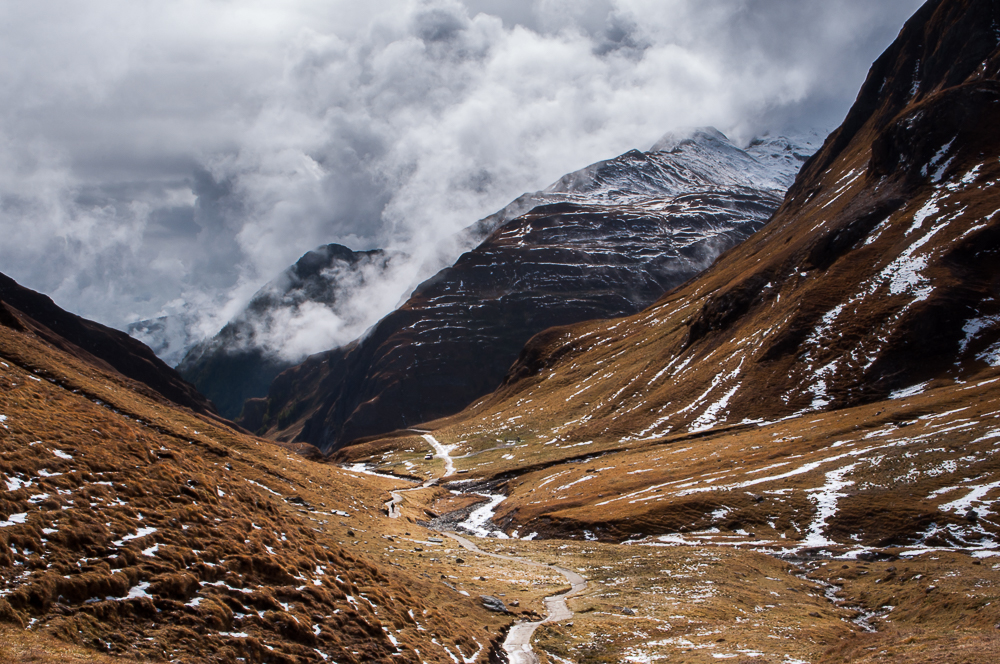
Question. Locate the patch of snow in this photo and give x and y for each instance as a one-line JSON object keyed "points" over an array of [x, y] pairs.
{"points": [[708, 419], [582, 479], [935, 160], [973, 327], [264, 488], [929, 208], [826, 498], [14, 519], [911, 391], [15, 483], [876, 232], [991, 355], [976, 494], [142, 532], [137, 592]]}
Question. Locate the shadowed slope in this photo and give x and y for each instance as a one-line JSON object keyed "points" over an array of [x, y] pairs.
{"points": [[95, 343]]}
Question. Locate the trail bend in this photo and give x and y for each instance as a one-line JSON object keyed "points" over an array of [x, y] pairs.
{"points": [[517, 645], [518, 642]]}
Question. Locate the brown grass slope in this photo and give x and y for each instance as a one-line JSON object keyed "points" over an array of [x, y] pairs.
{"points": [[96, 344], [132, 527]]}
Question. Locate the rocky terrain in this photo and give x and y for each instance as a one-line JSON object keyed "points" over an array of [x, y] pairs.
{"points": [[603, 242]]}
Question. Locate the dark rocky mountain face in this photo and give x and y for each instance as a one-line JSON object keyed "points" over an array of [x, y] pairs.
{"points": [[878, 277], [241, 361], [25, 310], [608, 241]]}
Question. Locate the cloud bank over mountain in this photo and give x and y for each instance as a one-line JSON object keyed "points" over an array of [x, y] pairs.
{"points": [[160, 158]]}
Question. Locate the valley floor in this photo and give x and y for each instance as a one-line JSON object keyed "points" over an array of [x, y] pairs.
{"points": [[861, 535], [650, 602]]}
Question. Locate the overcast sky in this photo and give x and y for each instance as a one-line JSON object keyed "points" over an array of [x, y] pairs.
{"points": [[162, 155]]}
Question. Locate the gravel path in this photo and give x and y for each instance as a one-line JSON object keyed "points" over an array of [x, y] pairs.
{"points": [[518, 642]]}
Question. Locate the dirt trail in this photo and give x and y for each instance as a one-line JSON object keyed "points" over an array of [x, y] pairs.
{"points": [[392, 507], [442, 453], [518, 642]]}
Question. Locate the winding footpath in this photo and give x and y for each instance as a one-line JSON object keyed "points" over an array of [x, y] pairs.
{"points": [[517, 645], [442, 453]]}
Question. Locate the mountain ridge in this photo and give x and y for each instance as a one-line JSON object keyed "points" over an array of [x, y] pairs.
{"points": [[621, 233], [245, 356], [104, 347]]}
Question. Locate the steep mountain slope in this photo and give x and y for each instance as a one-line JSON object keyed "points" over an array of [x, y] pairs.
{"points": [[622, 232], [850, 331], [244, 357], [129, 526], [24, 309]]}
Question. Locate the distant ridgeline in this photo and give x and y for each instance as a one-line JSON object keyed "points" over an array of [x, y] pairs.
{"points": [[603, 242]]}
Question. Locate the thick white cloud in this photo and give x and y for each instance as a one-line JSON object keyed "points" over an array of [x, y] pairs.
{"points": [[157, 156]]}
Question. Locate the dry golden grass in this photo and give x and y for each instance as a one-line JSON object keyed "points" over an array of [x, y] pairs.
{"points": [[154, 533], [902, 460], [19, 646], [249, 551]]}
